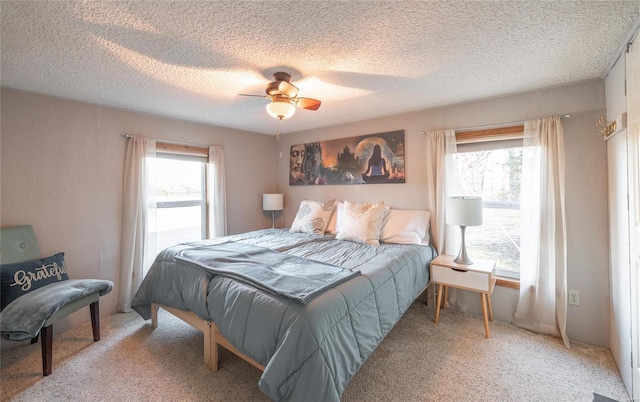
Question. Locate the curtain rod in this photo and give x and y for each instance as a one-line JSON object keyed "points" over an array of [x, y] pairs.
{"points": [[176, 142], [487, 127]]}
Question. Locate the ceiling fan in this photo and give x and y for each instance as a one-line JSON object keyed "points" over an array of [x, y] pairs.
{"points": [[284, 97]]}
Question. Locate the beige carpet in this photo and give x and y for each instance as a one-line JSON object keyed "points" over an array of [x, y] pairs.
{"points": [[418, 361]]}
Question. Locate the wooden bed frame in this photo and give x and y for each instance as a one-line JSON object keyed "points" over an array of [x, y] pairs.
{"points": [[212, 336]]}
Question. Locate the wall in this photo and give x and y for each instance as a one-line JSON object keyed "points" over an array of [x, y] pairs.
{"points": [[62, 164], [586, 199], [620, 266]]}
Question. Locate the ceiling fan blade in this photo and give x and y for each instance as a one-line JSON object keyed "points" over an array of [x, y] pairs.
{"points": [[306, 103], [287, 89], [257, 96]]}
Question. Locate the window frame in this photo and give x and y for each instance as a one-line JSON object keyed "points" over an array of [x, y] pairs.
{"points": [[202, 202], [165, 150], [466, 136], [504, 137]]}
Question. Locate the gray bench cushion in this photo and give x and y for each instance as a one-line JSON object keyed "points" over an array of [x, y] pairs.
{"points": [[24, 317]]}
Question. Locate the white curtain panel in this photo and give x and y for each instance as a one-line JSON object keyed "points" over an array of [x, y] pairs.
{"points": [[217, 192], [135, 204], [542, 306], [441, 148]]}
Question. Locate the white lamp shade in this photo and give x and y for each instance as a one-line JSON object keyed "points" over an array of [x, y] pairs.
{"points": [[464, 211], [280, 108], [272, 202]]}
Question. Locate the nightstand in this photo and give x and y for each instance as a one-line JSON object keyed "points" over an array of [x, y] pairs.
{"points": [[477, 277]]}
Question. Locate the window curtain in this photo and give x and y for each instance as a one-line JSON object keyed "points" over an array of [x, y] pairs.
{"points": [[217, 196], [134, 237], [441, 148], [542, 306]]}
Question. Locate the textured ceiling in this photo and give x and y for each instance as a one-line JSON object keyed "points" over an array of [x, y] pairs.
{"points": [[191, 59]]}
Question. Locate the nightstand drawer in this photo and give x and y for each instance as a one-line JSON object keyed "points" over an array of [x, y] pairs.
{"points": [[463, 279]]}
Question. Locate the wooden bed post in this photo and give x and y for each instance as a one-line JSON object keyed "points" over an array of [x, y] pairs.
{"points": [[154, 315], [210, 347], [212, 337]]}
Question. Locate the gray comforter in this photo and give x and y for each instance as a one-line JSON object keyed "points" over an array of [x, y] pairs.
{"points": [[310, 351]]}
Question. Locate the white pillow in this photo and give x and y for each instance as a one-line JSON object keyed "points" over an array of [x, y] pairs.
{"points": [[312, 216], [360, 222], [405, 227], [333, 221]]}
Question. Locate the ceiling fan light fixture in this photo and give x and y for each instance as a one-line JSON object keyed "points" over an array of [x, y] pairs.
{"points": [[284, 97], [281, 108]]}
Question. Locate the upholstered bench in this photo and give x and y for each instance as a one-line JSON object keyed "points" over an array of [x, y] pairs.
{"points": [[36, 292]]}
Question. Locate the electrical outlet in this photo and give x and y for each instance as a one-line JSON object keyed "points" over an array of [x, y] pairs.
{"points": [[574, 297]]}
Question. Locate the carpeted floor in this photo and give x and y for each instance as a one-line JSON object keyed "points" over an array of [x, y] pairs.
{"points": [[418, 361]]}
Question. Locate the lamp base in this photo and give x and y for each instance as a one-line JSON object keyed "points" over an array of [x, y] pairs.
{"points": [[462, 257], [273, 219], [463, 260]]}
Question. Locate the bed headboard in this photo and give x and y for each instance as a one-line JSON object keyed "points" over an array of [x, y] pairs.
{"points": [[18, 244]]}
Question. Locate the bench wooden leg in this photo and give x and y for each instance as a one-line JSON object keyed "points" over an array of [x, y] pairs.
{"points": [[46, 342], [95, 320]]}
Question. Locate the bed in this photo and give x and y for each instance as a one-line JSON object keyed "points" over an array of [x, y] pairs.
{"points": [[306, 350]]}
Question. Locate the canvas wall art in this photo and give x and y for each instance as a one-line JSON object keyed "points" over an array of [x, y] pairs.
{"points": [[366, 159]]}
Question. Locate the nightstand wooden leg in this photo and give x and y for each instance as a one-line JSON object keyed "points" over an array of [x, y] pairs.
{"points": [[444, 302], [490, 307], [484, 313], [438, 301]]}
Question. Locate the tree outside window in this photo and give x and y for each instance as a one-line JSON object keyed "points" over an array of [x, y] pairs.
{"points": [[495, 176]]}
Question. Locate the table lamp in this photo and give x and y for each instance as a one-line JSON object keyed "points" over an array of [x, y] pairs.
{"points": [[273, 203], [464, 211]]}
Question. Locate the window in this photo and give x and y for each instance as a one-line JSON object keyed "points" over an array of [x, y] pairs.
{"points": [[492, 170], [180, 198]]}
